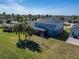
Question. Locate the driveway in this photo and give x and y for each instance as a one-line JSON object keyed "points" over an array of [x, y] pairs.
{"points": [[73, 41]]}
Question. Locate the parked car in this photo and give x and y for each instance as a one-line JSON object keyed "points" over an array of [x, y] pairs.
{"points": [[8, 29]]}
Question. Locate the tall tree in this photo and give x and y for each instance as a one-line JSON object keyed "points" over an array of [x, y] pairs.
{"points": [[61, 18], [18, 28], [30, 32], [30, 17], [47, 16], [74, 19], [25, 29], [4, 13]]}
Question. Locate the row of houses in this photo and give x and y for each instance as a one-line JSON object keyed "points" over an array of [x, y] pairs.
{"points": [[12, 16], [51, 27]]}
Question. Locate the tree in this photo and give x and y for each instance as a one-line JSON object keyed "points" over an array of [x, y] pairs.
{"points": [[1, 21], [61, 18], [39, 16], [47, 16], [30, 32], [30, 17], [12, 14], [4, 13], [8, 21], [25, 29], [18, 28], [34, 18], [74, 19]]}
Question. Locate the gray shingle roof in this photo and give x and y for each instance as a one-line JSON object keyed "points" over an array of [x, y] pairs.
{"points": [[49, 21], [36, 28], [75, 27]]}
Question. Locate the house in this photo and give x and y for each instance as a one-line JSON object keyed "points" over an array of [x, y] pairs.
{"points": [[74, 35], [49, 27], [75, 31]]}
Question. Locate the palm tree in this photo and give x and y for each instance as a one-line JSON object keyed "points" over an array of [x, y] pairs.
{"points": [[34, 18], [30, 17], [74, 19], [47, 16], [25, 29], [1, 21], [61, 18], [4, 13], [18, 28], [30, 32]]}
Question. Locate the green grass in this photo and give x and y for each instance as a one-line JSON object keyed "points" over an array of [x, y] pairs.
{"points": [[52, 48]]}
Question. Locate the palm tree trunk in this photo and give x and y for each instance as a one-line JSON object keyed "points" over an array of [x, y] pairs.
{"points": [[25, 37], [29, 37], [19, 37]]}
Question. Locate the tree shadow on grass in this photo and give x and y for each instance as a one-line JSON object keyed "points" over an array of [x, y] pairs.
{"points": [[63, 36], [31, 45]]}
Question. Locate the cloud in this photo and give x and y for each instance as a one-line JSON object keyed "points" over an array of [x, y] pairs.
{"points": [[12, 6]]}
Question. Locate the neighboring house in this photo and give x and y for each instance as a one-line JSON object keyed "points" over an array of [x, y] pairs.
{"points": [[74, 35], [49, 27], [7, 27], [75, 31], [67, 18]]}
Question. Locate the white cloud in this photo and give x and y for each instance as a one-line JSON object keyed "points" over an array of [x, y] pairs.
{"points": [[13, 7]]}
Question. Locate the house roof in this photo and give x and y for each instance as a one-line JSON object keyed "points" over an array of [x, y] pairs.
{"points": [[45, 21], [75, 27], [7, 25], [49, 21], [36, 28], [40, 29]]}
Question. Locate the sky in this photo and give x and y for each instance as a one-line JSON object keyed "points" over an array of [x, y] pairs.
{"points": [[52, 7]]}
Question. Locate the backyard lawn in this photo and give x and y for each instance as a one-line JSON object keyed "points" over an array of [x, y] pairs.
{"points": [[52, 48]]}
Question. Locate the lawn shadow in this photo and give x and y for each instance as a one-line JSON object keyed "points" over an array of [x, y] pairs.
{"points": [[63, 36], [31, 45]]}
